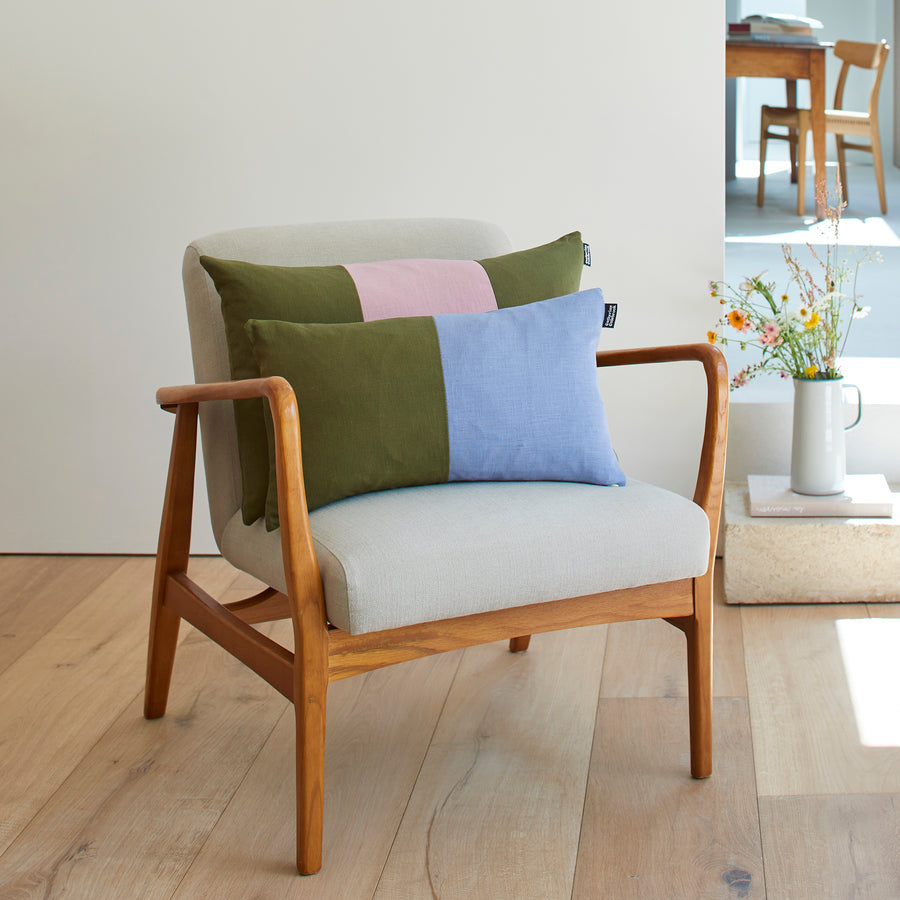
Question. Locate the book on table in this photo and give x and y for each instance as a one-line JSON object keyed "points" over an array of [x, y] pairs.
{"points": [[864, 497], [775, 27]]}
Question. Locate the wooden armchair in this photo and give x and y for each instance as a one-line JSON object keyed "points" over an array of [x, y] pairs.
{"points": [[613, 553]]}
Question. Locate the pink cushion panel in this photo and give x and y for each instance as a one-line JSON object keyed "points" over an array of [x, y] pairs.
{"points": [[421, 287]]}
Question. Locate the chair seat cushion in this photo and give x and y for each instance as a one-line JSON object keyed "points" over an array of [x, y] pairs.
{"points": [[420, 554]]}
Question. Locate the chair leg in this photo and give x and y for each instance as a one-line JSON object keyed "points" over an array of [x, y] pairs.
{"points": [[699, 641], [310, 692], [879, 170], [801, 172], [160, 654], [519, 644], [761, 182], [842, 167], [699, 632], [792, 150]]}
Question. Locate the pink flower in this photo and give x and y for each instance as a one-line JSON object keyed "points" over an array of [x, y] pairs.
{"points": [[770, 335]]}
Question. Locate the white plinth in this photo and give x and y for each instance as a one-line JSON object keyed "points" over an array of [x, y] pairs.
{"points": [[808, 560]]}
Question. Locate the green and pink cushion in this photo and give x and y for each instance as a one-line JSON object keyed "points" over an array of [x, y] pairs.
{"points": [[361, 293], [505, 395]]}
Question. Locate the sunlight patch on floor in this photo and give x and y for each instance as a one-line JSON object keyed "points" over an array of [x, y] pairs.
{"points": [[870, 232], [749, 168], [871, 654]]}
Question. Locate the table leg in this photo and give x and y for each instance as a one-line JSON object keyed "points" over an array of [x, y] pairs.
{"points": [[817, 116]]}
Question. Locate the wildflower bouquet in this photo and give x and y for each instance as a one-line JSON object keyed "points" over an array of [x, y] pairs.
{"points": [[805, 340]]}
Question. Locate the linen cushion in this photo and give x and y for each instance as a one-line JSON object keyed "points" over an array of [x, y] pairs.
{"points": [[421, 554], [366, 292], [507, 395]]}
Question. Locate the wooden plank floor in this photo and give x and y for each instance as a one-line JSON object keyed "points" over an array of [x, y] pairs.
{"points": [[558, 773]]}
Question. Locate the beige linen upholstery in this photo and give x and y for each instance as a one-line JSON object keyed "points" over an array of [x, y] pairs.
{"points": [[392, 558]]}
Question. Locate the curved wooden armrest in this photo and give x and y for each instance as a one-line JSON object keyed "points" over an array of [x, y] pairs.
{"points": [[170, 398], [711, 475], [301, 567], [710, 355]]}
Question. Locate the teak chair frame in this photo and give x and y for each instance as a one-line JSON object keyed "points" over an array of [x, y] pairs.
{"points": [[838, 121], [323, 653]]}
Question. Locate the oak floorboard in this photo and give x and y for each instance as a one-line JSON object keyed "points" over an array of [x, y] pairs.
{"points": [[845, 846], [652, 831], [36, 592], [648, 658], [133, 814], [805, 735], [64, 692], [497, 809], [97, 803], [379, 728], [883, 610]]}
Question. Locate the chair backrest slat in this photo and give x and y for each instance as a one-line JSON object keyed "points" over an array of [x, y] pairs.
{"points": [[864, 56]]}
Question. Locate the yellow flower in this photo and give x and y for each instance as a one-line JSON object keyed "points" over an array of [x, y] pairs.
{"points": [[813, 320], [810, 371], [711, 336]]}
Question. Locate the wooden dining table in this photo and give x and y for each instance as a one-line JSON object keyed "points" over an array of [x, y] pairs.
{"points": [[790, 61]]}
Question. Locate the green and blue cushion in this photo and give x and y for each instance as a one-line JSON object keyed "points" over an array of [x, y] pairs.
{"points": [[505, 395]]}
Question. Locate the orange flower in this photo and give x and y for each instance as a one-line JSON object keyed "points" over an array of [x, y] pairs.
{"points": [[739, 320], [711, 336]]}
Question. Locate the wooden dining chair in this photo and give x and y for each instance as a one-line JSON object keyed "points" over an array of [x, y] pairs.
{"points": [[395, 573], [838, 121]]}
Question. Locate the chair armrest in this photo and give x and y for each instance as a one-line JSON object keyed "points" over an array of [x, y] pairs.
{"points": [[169, 398], [301, 567], [711, 475]]}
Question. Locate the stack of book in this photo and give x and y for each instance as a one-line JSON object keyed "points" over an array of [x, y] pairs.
{"points": [[775, 27], [864, 496]]}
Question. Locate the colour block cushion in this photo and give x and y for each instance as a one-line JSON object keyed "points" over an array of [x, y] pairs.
{"points": [[366, 292], [506, 395]]}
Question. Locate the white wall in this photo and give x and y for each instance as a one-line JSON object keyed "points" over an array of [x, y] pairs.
{"points": [[130, 129]]}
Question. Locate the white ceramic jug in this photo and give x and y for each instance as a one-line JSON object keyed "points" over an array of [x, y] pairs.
{"points": [[818, 451]]}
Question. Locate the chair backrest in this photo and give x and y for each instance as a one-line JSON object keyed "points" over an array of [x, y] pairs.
{"points": [[864, 56], [320, 244]]}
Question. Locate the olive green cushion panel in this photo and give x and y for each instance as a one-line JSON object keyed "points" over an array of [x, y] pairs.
{"points": [[248, 291], [345, 378], [540, 273]]}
